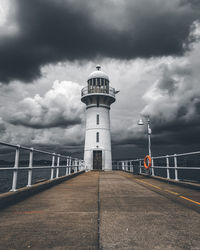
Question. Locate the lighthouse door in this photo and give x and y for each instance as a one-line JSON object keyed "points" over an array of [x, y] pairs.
{"points": [[97, 159]]}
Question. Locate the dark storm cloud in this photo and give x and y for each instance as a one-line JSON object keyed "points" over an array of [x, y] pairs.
{"points": [[173, 102], [194, 3], [174, 137], [42, 123], [52, 31]]}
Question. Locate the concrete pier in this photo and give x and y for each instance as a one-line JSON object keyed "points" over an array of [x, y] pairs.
{"points": [[104, 210]]}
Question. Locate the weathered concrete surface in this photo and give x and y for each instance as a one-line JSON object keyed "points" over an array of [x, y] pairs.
{"points": [[134, 216], [135, 213], [10, 198], [186, 184], [63, 217]]}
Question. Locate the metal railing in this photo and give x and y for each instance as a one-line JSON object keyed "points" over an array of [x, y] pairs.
{"points": [[175, 166], [70, 165], [98, 90]]}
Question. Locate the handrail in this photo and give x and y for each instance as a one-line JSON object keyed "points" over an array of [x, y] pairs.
{"points": [[164, 156], [74, 164], [182, 154], [35, 150], [177, 166]]}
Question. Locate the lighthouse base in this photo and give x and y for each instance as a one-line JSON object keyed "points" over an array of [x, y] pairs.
{"points": [[98, 159]]}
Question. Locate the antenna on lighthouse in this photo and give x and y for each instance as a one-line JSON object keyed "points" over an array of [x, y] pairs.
{"points": [[98, 67]]}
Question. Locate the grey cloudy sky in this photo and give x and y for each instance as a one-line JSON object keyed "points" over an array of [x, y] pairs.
{"points": [[149, 48]]}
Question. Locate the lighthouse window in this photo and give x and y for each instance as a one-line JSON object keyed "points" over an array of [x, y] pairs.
{"points": [[98, 81], [97, 119], [97, 137]]}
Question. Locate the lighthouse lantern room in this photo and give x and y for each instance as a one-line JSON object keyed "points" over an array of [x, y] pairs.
{"points": [[98, 97]]}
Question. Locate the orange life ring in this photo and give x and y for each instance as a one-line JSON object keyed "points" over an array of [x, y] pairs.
{"points": [[145, 162]]}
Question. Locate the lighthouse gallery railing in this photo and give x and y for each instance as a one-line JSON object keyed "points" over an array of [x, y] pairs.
{"points": [[97, 89]]}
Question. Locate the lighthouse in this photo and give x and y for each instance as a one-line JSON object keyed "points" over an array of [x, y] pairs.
{"points": [[98, 97]]}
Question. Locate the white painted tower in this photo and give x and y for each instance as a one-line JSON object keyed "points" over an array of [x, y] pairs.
{"points": [[98, 96]]}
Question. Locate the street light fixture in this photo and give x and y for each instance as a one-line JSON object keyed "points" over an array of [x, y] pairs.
{"points": [[141, 122]]}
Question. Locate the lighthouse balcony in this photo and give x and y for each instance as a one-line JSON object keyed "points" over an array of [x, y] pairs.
{"points": [[98, 90]]}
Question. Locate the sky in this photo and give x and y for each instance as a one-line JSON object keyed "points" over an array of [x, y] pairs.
{"points": [[149, 48]]}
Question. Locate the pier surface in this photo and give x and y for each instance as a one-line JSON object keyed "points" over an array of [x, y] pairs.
{"points": [[105, 210]]}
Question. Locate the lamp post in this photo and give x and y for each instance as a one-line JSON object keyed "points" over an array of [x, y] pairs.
{"points": [[141, 122]]}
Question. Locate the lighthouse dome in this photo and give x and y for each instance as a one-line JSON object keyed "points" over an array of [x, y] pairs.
{"points": [[98, 74]]}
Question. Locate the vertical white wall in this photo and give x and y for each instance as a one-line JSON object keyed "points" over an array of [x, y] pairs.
{"points": [[104, 143]]}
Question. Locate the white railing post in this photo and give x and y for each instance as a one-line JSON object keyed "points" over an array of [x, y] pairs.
{"points": [[79, 165], [30, 166], [175, 165], [67, 167], [70, 164], [167, 162], [57, 166], [75, 165], [15, 169], [82, 166], [140, 166], [76, 162], [52, 165], [152, 167]]}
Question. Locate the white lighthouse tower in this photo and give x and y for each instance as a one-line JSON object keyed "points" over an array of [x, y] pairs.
{"points": [[98, 96]]}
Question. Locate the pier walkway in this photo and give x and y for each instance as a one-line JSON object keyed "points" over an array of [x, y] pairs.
{"points": [[104, 210]]}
